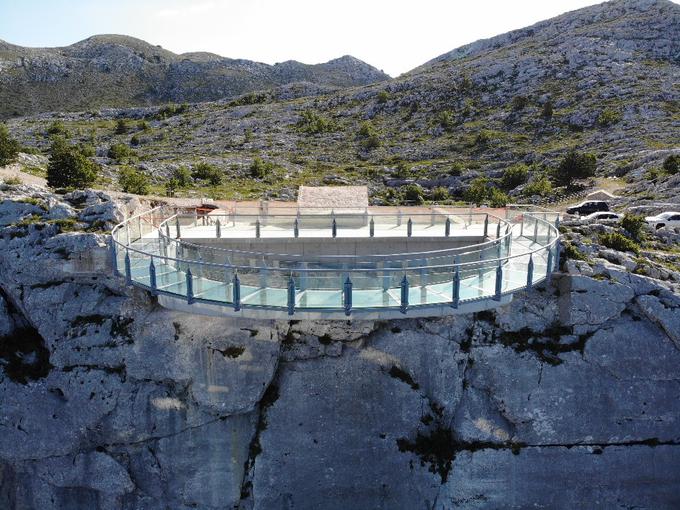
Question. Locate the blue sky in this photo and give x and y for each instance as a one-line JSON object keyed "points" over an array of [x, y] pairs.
{"points": [[395, 35]]}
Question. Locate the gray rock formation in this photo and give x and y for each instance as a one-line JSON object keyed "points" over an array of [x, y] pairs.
{"points": [[564, 398]]}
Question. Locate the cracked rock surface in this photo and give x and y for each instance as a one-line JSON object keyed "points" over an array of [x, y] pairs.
{"points": [[567, 395]]}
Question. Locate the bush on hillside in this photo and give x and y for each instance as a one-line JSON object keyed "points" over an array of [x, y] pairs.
{"points": [[57, 128], [634, 225], [672, 164], [575, 165], [312, 123], [9, 147], [120, 152], [182, 176], [514, 176], [69, 167], [619, 242], [260, 168], [207, 172], [132, 180]]}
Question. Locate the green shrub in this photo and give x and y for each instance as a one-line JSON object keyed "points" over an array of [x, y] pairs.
{"points": [[121, 127], [445, 119], [13, 181], [370, 135], [171, 186], [57, 128], [541, 187], [143, 125], [672, 164], [483, 138], [133, 181], [514, 176], [619, 242], [547, 110], [520, 102], [575, 165], [440, 194], [403, 171], [69, 167], [207, 172], [171, 110], [182, 176], [9, 147], [572, 252], [135, 141], [456, 168], [608, 117], [312, 123], [383, 96], [634, 225], [478, 191], [87, 150], [248, 99], [413, 194], [497, 198], [120, 152], [260, 168]]}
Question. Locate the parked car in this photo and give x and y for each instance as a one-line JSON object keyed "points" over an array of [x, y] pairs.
{"points": [[666, 219], [602, 217], [588, 207]]}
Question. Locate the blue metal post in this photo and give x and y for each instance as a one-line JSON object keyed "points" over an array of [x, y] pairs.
{"points": [[190, 286], [455, 297], [167, 229], [177, 228], [498, 229], [404, 295], [557, 255], [128, 270], [409, 228], [152, 277], [535, 229], [218, 229], [548, 270], [291, 296], [530, 271], [371, 228], [521, 227], [486, 225], [348, 296], [334, 228], [237, 293], [114, 257], [447, 227], [257, 228], [499, 282], [296, 228]]}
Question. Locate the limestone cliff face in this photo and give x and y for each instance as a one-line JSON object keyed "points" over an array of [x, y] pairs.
{"points": [[566, 397]]}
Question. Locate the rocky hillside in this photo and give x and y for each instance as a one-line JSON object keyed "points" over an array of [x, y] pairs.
{"points": [[110, 402], [602, 79], [113, 70]]}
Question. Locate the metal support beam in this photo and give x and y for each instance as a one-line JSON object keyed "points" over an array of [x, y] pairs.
{"points": [[371, 228], [499, 282], [455, 294], [128, 270], [347, 293], [530, 271], [296, 227], [291, 296], [177, 229], [152, 277], [447, 227], [486, 225], [258, 232], [190, 286], [404, 295], [237, 293], [409, 228], [334, 228], [218, 229]]}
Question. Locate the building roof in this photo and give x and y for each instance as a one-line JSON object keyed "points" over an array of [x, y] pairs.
{"points": [[333, 197]]}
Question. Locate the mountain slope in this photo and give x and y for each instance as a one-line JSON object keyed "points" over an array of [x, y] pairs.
{"points": [[114, 70], [602, 79]]}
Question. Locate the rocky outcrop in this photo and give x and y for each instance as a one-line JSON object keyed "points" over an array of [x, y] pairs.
{"points": [[111, 402]]}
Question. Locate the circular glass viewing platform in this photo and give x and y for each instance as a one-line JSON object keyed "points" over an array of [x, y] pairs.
{"points": [[379, 263]]}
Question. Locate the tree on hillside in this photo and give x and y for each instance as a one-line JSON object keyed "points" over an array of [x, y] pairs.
{"points": [[575, 165], [132, 180], [9, 147], [69, 167], [207, 172]]}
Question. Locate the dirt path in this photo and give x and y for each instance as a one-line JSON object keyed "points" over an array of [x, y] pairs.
{"points": [[14, 170]]}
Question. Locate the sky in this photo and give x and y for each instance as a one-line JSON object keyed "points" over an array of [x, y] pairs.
{"points": [[394, 36]]}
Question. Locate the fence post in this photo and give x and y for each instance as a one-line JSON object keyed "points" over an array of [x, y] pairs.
{"points": [[291, 296], [296, 228], [548, 269], [114, 257], [447, 227], [409, 228], [257, 228], [237, 293], [334, 228], [128, 270], [530, 271], [218, 229], [167, 229], [399, 217], [190, 286], [177, 229], [152, 277], [371, 228], [486, 225], [521, 227], [404, 295], [455, 295], [348, 296], [499, 282], [498, 229], [535, 229]]}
